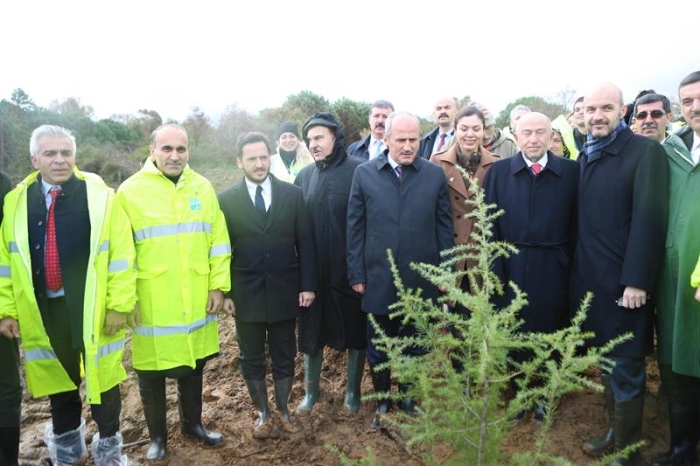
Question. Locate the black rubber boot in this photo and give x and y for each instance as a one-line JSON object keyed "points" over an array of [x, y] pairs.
{"points": [[598, 446], [408, 404], [189, 396], [683, 415], [356, 367], [154, 409], [283, 389], [9, 445], [312, 379], [628, 429], [258, 393], [382, 384]]}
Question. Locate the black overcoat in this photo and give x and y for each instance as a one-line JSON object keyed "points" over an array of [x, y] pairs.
{"points": [[412, 218], [273, 257], [335, 319], [539, 219], [622, 210]]}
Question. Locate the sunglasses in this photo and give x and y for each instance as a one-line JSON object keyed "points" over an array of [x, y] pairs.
{"points": [[655, 114]]}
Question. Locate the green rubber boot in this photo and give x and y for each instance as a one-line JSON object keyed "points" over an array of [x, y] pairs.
{"points": [[356, 367], [312, 379]]}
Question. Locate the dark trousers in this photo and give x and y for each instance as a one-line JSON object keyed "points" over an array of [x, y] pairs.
{"points": [[10, 388], [393, 328], [66, 411], [628, 378], [156, 379], [66, 407], [279, 336]]}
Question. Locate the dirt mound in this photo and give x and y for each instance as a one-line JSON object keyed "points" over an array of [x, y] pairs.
{"points": [[228, 409]]}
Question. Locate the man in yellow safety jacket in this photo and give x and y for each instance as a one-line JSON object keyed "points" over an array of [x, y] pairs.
{"points": [[67, 281], [183, 256]]}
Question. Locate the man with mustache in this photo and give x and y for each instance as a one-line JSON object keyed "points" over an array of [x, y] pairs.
{"points": [[677, 312], [183, 256], [652, 114], [622, 210], [372, 145], [438, 140], [273, 274], [334, 319], [67, 283], [400, 202]]}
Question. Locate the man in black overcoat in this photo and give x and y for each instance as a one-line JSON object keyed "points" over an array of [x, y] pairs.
{"points": [[622, 209], [537, 190], [273, 273], [400, 202], [335, 319]]}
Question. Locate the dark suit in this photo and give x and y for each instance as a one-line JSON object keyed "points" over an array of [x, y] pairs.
{"points": [[540, 220], [411, 217], [273, 260], [360, 148]]}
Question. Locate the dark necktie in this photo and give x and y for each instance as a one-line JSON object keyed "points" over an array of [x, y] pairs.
{"points": [[52, 268], [442, 142], [536, 168], [259, 201], [399, 172]]}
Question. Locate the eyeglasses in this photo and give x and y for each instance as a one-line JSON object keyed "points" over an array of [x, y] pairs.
{"points": [[655, 114]]}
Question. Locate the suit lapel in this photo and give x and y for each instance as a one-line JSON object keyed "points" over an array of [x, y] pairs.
{"points": [[241, 193], [279, 200]]}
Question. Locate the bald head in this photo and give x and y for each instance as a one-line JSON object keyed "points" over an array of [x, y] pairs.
{"points": [[533, 134], [603, 108]]}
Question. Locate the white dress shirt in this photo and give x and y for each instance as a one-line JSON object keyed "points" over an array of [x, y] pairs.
{"points": [[266, 191]]}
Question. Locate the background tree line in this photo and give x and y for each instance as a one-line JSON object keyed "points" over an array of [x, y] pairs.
{"points": [[115, 147]]}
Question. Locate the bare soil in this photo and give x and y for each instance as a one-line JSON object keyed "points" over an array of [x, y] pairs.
{"points": [[228, 409]]}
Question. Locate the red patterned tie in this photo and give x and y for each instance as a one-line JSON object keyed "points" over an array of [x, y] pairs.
{"points": [[536, 168], [51, 264]]}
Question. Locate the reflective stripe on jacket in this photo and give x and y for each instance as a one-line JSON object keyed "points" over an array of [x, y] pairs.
{"points": [[110, 284], [182, 252]]}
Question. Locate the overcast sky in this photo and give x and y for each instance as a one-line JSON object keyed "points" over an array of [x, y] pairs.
{"points": [[122, 56]]}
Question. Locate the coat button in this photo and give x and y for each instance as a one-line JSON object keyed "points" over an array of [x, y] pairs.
{"points": [[41, 222], [38, 246]]}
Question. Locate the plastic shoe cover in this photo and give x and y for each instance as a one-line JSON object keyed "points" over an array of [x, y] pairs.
{"points": [[108, 451], [67, 448]]}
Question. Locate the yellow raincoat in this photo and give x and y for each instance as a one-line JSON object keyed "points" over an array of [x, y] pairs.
{"points": [[182, 253], [110, 284]]}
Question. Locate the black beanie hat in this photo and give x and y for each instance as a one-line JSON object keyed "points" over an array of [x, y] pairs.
{"points": [[287, 127], [321, 119]]}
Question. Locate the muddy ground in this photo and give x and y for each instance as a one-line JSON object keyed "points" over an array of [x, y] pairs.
{"points": [[228, 409]]}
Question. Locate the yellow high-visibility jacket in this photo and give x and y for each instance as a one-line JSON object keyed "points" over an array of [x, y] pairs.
{"points": [[110, 284], [182, 253], [695, 277]]}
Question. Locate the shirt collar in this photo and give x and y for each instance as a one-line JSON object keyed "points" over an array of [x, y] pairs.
{"points": [[46, 187], [696, 142], [542, 161], [252, 187]]}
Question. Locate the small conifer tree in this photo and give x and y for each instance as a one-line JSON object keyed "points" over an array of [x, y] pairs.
{"points": [[467, 367]]}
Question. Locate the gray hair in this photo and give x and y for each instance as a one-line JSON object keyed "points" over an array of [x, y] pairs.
{"points": [[390, 120], [381, 104], [48, 130], [167, 125], [519, 107]]}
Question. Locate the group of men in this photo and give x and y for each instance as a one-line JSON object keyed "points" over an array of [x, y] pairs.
{"points": [[305, 263]]}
